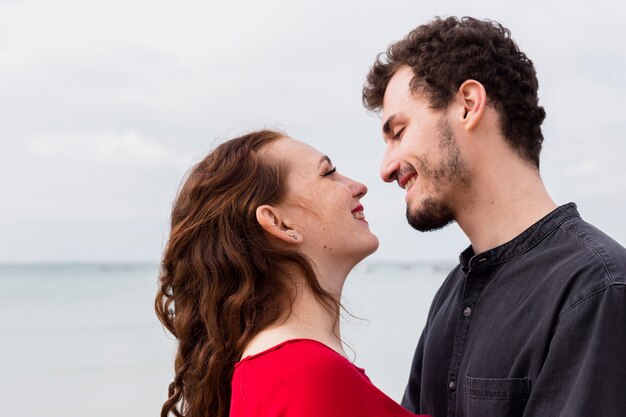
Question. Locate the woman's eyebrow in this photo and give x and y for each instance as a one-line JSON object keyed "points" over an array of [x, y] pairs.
{"points": [[325, 158]]}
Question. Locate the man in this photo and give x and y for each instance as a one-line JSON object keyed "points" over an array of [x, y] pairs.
{"points": [[532, 322]]}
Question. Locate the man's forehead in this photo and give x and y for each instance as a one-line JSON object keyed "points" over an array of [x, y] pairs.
{"points": [[400, 81], [398, 90]]}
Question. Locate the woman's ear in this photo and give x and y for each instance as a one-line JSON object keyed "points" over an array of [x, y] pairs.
{"points": [[270, 220], [473, 97]]}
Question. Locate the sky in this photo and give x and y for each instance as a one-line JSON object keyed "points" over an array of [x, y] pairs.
{"points": [[105, 105]]}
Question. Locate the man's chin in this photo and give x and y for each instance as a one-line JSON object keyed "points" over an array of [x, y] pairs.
{"points": [[432, 215]]}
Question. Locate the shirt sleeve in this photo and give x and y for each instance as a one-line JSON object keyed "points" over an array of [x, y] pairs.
{"points": [[584, 373]]}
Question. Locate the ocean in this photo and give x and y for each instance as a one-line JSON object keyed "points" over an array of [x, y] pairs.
{"points": [[83, 339]]}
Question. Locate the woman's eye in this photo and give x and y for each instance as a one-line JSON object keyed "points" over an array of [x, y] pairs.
{"points": [[331, 172]]}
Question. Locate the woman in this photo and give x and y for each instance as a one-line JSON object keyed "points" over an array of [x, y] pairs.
{"points": [[264, 233]]}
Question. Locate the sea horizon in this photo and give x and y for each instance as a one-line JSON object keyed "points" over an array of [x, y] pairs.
{"points": [[89, 328]]}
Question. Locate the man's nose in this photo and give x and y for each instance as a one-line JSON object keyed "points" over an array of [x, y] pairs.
{"points": [[390, 166]]}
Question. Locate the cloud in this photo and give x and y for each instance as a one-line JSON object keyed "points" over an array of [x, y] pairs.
{"points": [[128, 147], [113, 101]]}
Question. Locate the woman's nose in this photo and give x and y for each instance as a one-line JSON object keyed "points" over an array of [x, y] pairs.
{"points": [[358, 189]]}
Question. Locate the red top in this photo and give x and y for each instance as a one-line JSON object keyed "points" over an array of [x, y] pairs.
{"points": [[305, 378]]}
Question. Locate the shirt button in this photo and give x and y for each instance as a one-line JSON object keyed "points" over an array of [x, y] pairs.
{"points": [[467, 311], [452, 385]]}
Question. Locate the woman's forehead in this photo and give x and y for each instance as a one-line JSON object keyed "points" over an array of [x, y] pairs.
{"points": [[294, 151]]}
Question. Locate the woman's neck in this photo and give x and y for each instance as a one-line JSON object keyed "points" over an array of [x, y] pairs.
{"points": [[309, 319]]}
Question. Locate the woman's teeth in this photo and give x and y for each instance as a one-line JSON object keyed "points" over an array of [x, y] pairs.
{"points": [[358, 215]]}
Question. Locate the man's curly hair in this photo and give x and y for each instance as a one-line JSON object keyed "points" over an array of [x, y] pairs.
{"points": [[446, 52]]}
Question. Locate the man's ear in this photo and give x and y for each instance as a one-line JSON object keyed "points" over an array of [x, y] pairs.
{"points": [[270, 220], [473, 99]]}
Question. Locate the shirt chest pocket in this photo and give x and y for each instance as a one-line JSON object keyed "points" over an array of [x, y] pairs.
{"points": [[495, 396]]}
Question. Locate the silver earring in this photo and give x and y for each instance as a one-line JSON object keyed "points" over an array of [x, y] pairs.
{"points": [[293, 236]]}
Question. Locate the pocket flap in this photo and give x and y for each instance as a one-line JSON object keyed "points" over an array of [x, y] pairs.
{"points": [[497, 387]]}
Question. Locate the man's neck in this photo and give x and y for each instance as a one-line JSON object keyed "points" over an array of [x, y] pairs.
{"points": [[501, 207]]}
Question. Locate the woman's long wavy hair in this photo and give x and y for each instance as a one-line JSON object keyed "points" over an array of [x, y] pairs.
{"points": [[222, 281]]}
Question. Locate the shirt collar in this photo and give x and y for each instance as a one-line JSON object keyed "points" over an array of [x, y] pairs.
{"points": [[527, 239]]}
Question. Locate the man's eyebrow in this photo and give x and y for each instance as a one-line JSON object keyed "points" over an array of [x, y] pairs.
{"points": [[387, 125]]}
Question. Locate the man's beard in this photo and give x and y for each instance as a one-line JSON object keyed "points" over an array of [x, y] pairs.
{"points": [[432, 215], [435, 213]]}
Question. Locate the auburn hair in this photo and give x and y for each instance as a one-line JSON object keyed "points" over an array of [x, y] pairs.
{"points": [[221, 280]]}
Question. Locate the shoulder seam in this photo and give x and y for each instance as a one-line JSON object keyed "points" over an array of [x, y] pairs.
{"points": [[593, 294], [590, 247]]}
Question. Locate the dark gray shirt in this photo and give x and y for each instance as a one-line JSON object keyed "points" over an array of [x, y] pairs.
{"points": [[534, 327]]}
